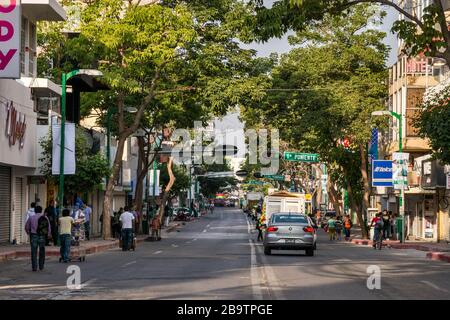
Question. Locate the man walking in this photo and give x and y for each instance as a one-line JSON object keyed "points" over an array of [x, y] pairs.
{"points": [[386, 225], [87, 221], [52, 216], [332, 228], [167, 211], [126, 219], [39, 229]]}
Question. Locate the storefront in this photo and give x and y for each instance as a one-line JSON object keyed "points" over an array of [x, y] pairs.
{"points": [[421, 215]]}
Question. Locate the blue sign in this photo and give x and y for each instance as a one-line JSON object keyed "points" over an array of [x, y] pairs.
{"points": [[382, 173]]}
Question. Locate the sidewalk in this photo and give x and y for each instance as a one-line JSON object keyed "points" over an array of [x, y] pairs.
{"points": [[10, 252], [436, 251]]}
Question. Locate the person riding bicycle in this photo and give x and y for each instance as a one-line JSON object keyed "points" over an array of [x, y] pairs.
{"points": [[377, 223]]}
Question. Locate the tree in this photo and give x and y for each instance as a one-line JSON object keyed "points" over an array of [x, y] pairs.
{"points": [[211, 186], [172, 52], [90, 167], [433, 120], [325, 91], [428, 35]]}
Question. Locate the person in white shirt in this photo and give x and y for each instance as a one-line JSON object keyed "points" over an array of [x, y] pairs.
{"points": [[126, 219], [30, 211]]}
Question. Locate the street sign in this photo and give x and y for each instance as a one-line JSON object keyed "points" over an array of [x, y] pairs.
{"points": [[301, 157], [277, 177], [254, 182], [382, 173]]}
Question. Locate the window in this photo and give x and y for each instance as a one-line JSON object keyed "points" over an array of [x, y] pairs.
{"points": [[293, 218], [32, 50], [23, 41]]}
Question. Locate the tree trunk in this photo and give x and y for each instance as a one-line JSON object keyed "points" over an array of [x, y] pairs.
{"points": [[141, 172], [110, 188], [334, 197], [167, 189], [358, 211], [365, 177]]}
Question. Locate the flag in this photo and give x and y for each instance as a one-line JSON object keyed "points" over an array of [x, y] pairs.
{"points": [[373, 145]]}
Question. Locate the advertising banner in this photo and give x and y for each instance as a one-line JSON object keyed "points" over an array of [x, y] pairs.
{"points": [[10, 24], [69, 149]]}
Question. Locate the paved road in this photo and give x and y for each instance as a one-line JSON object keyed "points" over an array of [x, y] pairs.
{"points": [[216, 257]]}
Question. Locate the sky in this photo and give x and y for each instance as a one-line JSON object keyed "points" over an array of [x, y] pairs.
{"points": [[282, 45], [230, 130]]}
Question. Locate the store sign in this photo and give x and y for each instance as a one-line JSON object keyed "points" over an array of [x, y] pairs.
{"points": [[15, 126], [10, 23], [382, 173], [400, 170]]}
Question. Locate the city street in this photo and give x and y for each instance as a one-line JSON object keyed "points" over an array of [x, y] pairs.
{"points": [[217, 257]]}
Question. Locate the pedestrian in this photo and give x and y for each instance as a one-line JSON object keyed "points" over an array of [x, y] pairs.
{"points": [[30, 211], [87, 221], [318, 217], [386, 225], [331, 228], [377, 223], [52, 215], [39, 229], [126, 218], [347, 226], [393, 223], [137, 220], [339, 226], [66, 223], [167, 211], [156, 227]]}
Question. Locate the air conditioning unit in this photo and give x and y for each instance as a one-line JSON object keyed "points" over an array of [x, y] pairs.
{"points": [[433, 175]]}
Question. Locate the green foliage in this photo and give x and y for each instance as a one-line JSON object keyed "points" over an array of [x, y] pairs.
{"points": [[210, 186], [326, 90], [90, 168]]}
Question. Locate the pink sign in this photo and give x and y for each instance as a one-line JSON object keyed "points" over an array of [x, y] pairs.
{"points": [[10, 23]]}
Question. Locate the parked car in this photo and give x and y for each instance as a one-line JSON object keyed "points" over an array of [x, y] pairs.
{"points": [[287, 231], [326, 217]]}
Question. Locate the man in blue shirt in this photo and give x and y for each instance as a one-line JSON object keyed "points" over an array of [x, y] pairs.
{"points": [[87, 221]]}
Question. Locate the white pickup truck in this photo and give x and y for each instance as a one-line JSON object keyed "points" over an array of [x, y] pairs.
{"points": [[283, 201]]}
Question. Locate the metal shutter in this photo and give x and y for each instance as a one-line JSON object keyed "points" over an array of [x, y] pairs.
{"points": [[5, 203], [18, 210]]}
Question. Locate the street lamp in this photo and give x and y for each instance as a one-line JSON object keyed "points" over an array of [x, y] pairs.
{"points": [[400, 148], [66, 77]]}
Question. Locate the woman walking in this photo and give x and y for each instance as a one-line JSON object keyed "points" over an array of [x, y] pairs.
{"points": [[347, 226]]}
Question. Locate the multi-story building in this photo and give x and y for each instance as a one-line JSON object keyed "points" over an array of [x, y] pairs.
{"points": [[409, 78], [22, 101]]}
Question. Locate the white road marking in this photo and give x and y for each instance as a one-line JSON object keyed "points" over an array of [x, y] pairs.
{"points": [[256, 285], [175, 245], [129, 263], [88, 282], [157, 252], [188, 242], [433, 286], [194, 240], [208, 225], [204, 231]]}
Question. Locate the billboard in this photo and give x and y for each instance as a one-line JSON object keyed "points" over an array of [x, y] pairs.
{"points": [[400, 170], [10, 23], [382, 173]]}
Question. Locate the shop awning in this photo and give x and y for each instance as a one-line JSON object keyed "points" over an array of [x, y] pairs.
{"points": [[43, 10], [41, 87], [420, 191]]}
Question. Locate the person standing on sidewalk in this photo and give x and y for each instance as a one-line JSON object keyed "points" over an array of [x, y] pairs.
{"points": [[347, 226], [332, 228], [338, 228], [87, 221], [126, 219], [65, 234], [167, 212], [386, 225], [156, 227], [31, 211], [39, 229], [52, 215]]}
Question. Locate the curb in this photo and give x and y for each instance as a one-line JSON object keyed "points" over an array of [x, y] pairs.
{"points": [[438, 256], [11, 255]]}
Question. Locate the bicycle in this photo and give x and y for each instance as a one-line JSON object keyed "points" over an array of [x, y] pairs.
{"points": [[379, 240]]}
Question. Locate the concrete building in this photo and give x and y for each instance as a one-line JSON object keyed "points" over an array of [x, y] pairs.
{"points": [[409, 78], [22, 101]]}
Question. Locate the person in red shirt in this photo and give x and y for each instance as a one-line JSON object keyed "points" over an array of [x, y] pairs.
{"points": [[377, 223]]}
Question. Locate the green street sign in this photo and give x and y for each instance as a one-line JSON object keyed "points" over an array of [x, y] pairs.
{"points": [[254, 182], [276, 177], [301, 157]]}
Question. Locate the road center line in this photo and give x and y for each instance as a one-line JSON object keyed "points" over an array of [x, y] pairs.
{"points": [[204, 231], [256, 285], [433, 286], [175, 245], [129, 263], [157, 252]]}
